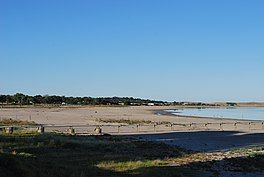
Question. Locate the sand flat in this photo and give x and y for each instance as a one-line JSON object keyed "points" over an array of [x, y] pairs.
{"points": [[198, 137], [91, 115]]}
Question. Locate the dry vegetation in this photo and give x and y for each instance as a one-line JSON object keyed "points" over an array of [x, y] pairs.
{"points": [[16, 122], [131, 122], [55, 155]]}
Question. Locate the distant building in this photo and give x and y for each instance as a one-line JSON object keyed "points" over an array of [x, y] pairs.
{"points": [[151, 104], [135, 104]]}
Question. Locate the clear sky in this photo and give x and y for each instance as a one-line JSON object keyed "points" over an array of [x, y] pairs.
{"points": [[183, 50]]}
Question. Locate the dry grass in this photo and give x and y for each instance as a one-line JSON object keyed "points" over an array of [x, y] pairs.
{"points": [[130, 165], [70, 156], [124, 121], [50, 155], [132, 122], [16, 122]]}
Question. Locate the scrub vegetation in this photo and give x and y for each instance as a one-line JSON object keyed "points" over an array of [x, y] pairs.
{"points": [[58, 155]]}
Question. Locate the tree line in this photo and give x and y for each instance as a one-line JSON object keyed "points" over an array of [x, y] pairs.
{"points": [[21, 99]]}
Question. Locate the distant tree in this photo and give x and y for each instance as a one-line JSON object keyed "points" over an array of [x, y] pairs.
{"points": [[231, 104], [9, 99], [2, 99], [20, 98], [38, 99], [127, 103]]}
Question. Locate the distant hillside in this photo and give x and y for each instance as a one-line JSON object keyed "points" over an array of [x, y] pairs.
{"points": [[251, 104]]}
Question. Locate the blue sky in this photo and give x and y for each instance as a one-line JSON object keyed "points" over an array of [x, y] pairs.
{"points": [[160, 49]]}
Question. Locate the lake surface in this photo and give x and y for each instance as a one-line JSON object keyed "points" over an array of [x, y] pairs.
{"points": [[256, 113]]}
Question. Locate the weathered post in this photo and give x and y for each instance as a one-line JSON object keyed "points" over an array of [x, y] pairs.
{"points": [[98, 130], [71, 131], [154, 127], [235, 124], [118, 128], [171, 125], [221, 126], [190, 126], [41, 129], [205, 125], [9, 130]]}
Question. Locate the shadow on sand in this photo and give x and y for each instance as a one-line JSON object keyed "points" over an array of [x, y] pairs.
{"points": [[79, 156], [206, 141]]}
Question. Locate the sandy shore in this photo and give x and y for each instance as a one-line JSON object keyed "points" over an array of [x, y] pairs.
{"points": [[205, 134], [91, 115]]}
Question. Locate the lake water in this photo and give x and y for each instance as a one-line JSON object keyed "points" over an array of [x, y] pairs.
{"points": [[256, 113]]}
